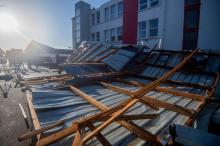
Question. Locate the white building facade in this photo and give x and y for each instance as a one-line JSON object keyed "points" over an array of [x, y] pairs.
{"points": [[180, 24]]}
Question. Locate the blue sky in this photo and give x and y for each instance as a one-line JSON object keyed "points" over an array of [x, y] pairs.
{"points": [[46, 21]]}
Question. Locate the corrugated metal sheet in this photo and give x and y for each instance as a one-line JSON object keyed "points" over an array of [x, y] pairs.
{"points": [[54, 105]]}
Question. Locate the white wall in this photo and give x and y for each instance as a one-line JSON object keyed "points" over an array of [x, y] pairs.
{"points": [[152, 13], [174, 20], [117, 22], [209, 28]]}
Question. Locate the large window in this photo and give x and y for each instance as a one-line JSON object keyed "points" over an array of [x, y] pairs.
{"points": [[106, 35], [112, 34], [78, 26], [142, 4], [153, 27], [93, 36], [93, 19], [119, 33], [98, 17], [97, 36], [142, 30], [78, 36], [113, 11], [154, 3], [120, 9], [106, 14]]}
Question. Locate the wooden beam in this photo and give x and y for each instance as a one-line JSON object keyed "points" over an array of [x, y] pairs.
{"points": [[84, 59], [169, 91], [39, 131], [101, 52], [129, 117], [107, 55], [138, 94], [151, 100], [100, 137], [105, 108], [33, 114], [88, 98], [77, 139], [174, 82], [57, 136], [180, 93]]}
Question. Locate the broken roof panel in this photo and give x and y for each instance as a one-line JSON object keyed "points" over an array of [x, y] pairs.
{"points": [[55, 105]]}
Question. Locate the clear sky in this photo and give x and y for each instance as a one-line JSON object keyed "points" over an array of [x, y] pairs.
{"points": [[46, 21]]}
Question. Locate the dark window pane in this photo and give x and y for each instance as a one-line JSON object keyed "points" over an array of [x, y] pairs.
{"points": [[97, 36], [93, 19], [191, 19], [153, 32], [153, 23], [98, 17], [154, 3], [143, 4], [190, 40]]}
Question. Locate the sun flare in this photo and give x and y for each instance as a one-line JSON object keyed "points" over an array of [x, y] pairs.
{"points": [[8, 23]]}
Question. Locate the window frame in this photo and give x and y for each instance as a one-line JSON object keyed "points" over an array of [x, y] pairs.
{"points": [[119, 33], [113, 12], [98, 17], [140, 5], [112, 35], [149, 28], [97, 36], [152, 1], [142, 30], [120, 11], [107, 15], [106, 35], [93, 19]]}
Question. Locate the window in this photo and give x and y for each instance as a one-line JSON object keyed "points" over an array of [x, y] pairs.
{"points": [[142, 4], [153, 27], [154, 3], [97, 36], [77, 26], [120, 9], [78, 36], [98, 17], [78, 19], [106, 35], [142, 30], [93, 36], [119, 33], [113, 11], [93, 19], [106, 14], [112, 34]]}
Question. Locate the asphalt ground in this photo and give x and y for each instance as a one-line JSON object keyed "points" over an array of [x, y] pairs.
{"points": [[12, 123]]}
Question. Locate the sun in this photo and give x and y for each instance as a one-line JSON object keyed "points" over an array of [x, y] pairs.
{"points": [[8, 23]]}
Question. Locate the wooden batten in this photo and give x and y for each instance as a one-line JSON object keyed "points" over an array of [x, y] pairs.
{"points": [[169, 91], [33, 114], [127, 125]]}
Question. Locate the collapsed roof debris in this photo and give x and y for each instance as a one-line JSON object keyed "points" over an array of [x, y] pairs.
{"points": [[133, 97]]}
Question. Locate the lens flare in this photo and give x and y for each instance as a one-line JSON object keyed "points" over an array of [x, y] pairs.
{"points": [[8, 23]]}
